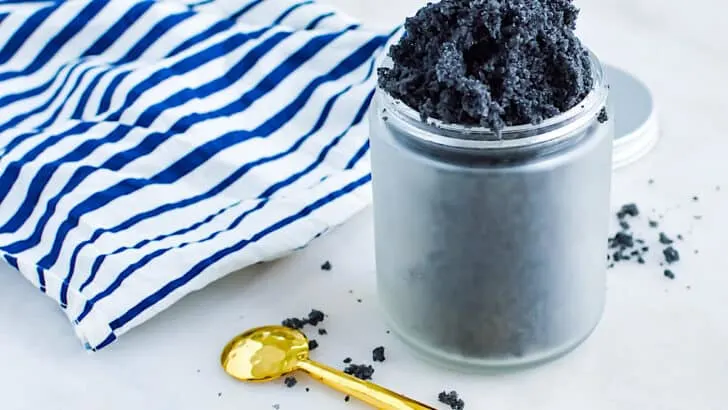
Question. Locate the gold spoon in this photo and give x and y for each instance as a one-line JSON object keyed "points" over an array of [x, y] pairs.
{"points": [[267, 353]]}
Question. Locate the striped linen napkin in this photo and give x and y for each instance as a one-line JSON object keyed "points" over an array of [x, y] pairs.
{"points": [[149, 148]]}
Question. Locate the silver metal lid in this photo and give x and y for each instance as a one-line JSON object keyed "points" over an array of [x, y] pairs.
{"points": [[636, 127]]}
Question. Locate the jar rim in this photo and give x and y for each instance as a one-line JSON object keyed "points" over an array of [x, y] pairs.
{"points": [[551, 130]]}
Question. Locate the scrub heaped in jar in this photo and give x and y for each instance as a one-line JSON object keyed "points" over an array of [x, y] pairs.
{"points": [[490, 241], [490, 63]]}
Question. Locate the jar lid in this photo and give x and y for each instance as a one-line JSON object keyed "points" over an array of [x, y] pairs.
{"points": [[636, 128]]}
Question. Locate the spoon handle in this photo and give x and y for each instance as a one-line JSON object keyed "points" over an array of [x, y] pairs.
{"points": [[370, 393]]}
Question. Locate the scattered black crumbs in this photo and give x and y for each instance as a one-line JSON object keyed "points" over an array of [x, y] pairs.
{"points": [[669, 274], [307, 390], [664, 239], [651, 181], [671, 254], [313, 319], [290, 381], [312, 345], [347, 398], [322, 332], [358, 300], [624, 246], [219, 394], [697, 251], [361, 371], [388, 331], [603, 116], [347, 360], [451, 399], [326, 266], [378, 354], [293, 323], [696, 199], [276, 406]]}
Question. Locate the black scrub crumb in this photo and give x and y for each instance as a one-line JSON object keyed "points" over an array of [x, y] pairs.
{"points": [[219, 394], [603, 116], [623, 239], [650, 181], [290, 381], [315, 317], [276, 407], [312, 345], [347, 360], [360, 371], [664, 239], [293, 323], [378, 354], [669, 274], [307, 390], [628, 210], [624, 225], [347, 398], [671, 255], [388, 332], [322, 332], [359, 300], [696, 199], [680, 237], [490, 63], [326, 266], [653, 224], [451, 399]]}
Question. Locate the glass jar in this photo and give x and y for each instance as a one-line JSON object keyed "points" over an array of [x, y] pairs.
{"points": [[491, 251]]}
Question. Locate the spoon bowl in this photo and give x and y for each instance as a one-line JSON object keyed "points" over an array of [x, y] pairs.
{"points": [[264, 354]]}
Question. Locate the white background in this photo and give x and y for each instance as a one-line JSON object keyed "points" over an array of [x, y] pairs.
{"points": [[661, 345]]}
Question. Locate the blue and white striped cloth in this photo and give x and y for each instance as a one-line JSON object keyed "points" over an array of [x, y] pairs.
{"points": [[149, 147]]}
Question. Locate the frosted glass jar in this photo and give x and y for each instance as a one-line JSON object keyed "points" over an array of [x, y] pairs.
{"points": [[492, 252]]}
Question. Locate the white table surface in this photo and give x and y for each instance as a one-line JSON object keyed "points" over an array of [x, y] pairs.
{"points": [[660, 345]]}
